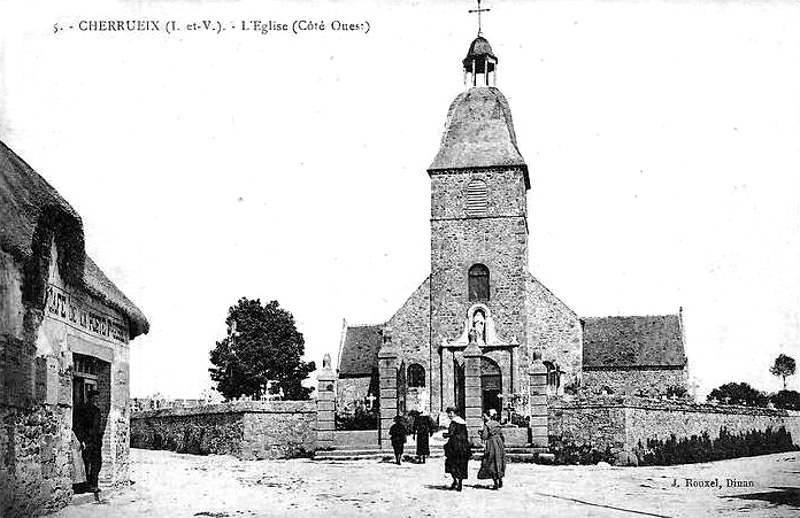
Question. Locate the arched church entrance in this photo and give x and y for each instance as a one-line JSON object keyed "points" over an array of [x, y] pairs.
{"points": [[491, 384]]}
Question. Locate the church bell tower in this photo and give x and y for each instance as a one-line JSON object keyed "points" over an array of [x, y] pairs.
{"points": [[479, 240]]}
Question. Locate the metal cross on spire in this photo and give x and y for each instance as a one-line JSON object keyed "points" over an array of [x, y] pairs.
{"points": [[479, 11]]}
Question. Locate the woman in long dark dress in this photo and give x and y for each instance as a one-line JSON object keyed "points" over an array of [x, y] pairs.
{"points": [[456, 449], [493, 465], [422, 430]]}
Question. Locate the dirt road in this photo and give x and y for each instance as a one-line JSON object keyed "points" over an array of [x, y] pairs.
{"points": [[173, 485]]}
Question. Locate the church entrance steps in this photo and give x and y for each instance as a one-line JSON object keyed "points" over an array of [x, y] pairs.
{"points": [[370, 454], [513, 454], [373, 451]]}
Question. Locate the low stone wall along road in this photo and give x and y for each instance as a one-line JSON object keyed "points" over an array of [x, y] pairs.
{"points": [[168, 484]]}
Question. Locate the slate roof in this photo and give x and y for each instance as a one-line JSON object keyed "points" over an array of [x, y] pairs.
{"points": [[359, 351], [24, 198], [479, 133], [479, 47], [619, 342]]}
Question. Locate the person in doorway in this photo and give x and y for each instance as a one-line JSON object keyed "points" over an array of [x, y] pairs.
{"points": [[78, 469], [397, 434], [422, 431], [456, 449], [90, 434], [493, 465]]}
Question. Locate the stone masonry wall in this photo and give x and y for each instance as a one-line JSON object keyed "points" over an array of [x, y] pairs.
{"points": [[621, 423], [36, 475], [499, 241], [37, 346], [659, 420], [247, 430], [555, 330], [634, 382], [410, 328]]}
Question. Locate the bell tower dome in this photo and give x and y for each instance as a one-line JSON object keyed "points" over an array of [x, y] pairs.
{"points": [[480, 65]]}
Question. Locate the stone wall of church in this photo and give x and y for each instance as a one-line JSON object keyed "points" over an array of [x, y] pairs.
{"points": [[555, 330], [506, 193], [246, 429], [626, 423], [410, 328], [633, 382], [36, 400], [499, 241]]}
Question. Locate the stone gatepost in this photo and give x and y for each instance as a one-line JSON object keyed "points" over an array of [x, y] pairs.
{"points": [[387, 372], [538, 401], [472, 391], [326, 405]]}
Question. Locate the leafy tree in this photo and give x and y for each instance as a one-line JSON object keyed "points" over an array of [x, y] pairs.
{"points": [[788, 399], [784, 367], [738, 394], [261, 352]]}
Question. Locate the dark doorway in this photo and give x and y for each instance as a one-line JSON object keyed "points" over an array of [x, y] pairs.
{"points": [[491, 384], [459, 394], [402, 389], [91, 399]]}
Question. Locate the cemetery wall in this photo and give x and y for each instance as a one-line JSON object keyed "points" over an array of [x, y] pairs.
{"points": [[245, 429], [624, 424]]}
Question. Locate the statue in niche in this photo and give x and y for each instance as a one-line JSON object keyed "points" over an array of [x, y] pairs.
{"points": [[479, 327], [326, 361]]}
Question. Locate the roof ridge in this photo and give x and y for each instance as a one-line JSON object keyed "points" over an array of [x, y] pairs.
{"points": [[637, 316], [353, 326]]}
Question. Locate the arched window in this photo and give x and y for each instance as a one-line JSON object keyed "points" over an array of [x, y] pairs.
{"points": [[416, 375], [478, 283], [553, 376], [477, 202]]}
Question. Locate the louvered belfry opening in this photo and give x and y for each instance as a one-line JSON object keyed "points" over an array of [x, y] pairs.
{"points": [[477, 199]]}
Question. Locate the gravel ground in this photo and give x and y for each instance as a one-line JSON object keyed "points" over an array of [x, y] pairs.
{"points": [[170, 485]]}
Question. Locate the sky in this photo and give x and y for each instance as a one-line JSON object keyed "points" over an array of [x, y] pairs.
{"points": [[662, 138]]}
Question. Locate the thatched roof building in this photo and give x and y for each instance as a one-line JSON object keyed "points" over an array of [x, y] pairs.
{"points": [[29, 208]]}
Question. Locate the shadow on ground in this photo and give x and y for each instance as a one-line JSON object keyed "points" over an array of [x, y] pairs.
{"points": [[789, 496], [438, 487]]}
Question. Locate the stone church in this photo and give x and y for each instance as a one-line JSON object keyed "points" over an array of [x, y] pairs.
{"points": [[480, 290]]}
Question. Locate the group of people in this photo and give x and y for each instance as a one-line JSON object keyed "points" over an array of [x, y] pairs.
{"points": [[457, 449], [422, 428]]}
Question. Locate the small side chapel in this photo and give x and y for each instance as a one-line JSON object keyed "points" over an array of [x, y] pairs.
{"points": [[480, 296]]}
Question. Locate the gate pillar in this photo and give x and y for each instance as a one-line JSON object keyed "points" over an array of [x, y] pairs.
{"points": [[387, 372], [473, 400], [326, 405], [537, 375]]}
